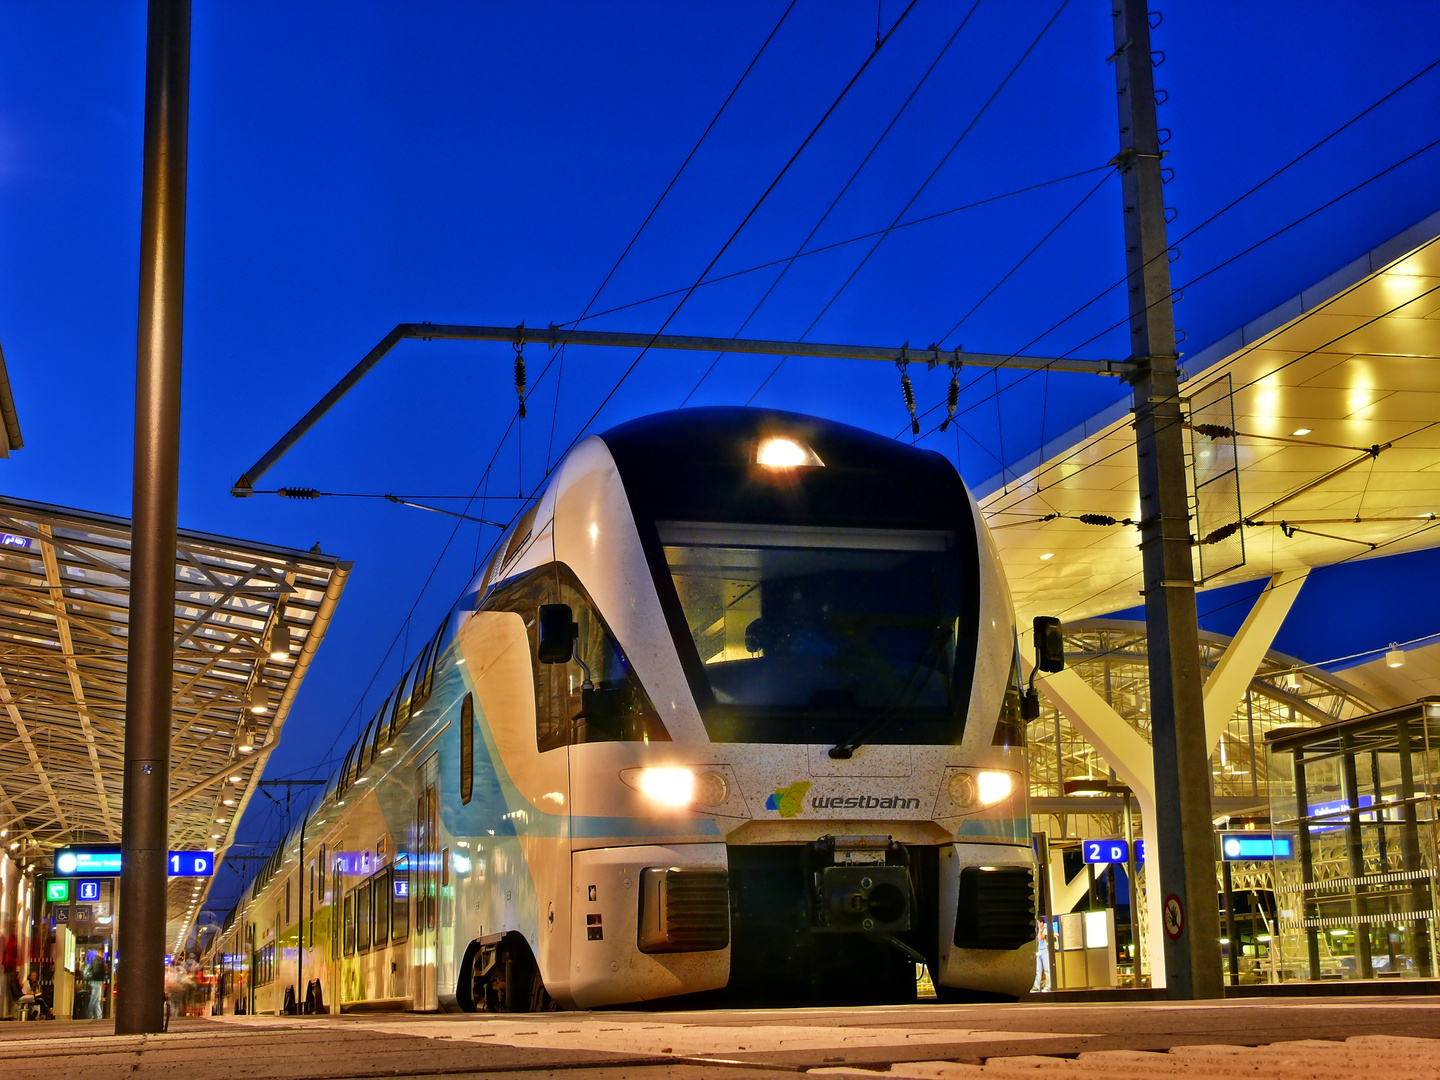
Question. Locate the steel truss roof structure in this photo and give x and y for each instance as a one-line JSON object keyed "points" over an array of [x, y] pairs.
{"points": [[64, 613]]}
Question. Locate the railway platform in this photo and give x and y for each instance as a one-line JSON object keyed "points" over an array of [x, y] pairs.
{"points": [[1395, 1037]]}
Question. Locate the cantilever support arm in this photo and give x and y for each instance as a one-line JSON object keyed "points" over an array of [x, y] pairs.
{"points": [[553, 336]]}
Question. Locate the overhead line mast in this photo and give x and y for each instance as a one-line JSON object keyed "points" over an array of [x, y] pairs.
{"points": [[1182, 834]]}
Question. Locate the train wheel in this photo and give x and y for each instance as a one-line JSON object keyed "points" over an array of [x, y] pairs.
{"points": [[502, 977]]}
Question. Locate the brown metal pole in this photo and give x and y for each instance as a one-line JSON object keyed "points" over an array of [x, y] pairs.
{"points": [[1183, 840], [144, 839]]}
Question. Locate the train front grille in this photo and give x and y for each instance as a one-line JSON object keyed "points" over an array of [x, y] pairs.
{"points": [[996, 909], [684, 910]]}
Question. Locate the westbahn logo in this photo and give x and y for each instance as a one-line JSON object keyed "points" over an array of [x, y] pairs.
{"points": [[790, 802], [865, 802]]}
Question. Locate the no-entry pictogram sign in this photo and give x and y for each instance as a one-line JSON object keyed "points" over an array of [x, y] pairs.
{"points": [[1174, 916]]}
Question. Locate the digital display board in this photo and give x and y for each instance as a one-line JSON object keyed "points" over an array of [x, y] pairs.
{"points": [[1256, 846], [105, 862]]}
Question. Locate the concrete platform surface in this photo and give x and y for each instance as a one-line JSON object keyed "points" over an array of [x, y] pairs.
{"points": [[1275, 1039]]}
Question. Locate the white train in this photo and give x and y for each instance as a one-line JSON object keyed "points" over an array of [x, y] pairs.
{"points": [[734, 708]]}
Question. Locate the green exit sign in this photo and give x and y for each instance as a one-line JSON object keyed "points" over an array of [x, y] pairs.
{"points": [[57, 891]]}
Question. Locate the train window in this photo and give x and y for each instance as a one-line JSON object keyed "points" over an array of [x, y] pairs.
{"points": [[400, 712], [426, 683], [616, 709], [810, 632], [417, 699], [350, 923], [522, 531], [287, 901], [467, 748], [444, 868], [364, 918], [400, 899], [380, 897], [312, 910], [381, 728], [322, 873], [362, 760], [344, 775]]}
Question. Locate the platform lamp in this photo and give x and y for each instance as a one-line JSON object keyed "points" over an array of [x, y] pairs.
{"points": [[1395, 656], [280, 641]]}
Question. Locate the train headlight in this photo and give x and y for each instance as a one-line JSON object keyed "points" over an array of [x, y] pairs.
{"points": [[962, 790], [670, 785], [994, 787]]}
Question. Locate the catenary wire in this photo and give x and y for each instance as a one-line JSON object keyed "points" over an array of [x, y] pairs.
{"points": [[785, 267], [744, 221], [864, 259]]}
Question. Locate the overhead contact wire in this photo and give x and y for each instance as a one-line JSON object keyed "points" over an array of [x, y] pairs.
{"points": [[787, 263], [745, 221], [921, 189]]}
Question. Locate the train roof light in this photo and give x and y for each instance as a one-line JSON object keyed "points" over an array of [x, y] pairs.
{"points": [[778, 452]]}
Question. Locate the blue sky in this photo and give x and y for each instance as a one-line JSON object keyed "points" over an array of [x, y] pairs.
{"points": [[361, 164]]}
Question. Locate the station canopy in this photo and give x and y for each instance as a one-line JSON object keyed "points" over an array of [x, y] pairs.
{"points": [[64, 618], [1312, 435]]}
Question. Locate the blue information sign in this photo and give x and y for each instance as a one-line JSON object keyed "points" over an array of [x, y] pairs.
{"points": [[87, 890], [1106, 851], [1255, 846], [10, 540]]}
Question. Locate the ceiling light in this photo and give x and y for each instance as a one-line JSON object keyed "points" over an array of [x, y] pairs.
{"points": [[221, 820], [246, 743], [1301, 431], [280, 641], [1395, 657], [228, 802], [237, 779], [781, 453], [216, 835], [258, 700], [1047, 555]]}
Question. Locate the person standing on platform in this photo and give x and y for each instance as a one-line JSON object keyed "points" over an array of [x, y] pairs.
{"points": [[95, 975]]}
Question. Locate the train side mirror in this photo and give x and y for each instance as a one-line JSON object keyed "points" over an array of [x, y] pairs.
{"points": [[1030, 705], [557, 633], [1049, 644]]}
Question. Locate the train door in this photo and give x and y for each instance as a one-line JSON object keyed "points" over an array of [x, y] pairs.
{"points": [[427, 884], [337, 933]]}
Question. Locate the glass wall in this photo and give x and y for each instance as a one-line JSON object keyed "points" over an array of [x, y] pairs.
{"points": [[1357, 899]]}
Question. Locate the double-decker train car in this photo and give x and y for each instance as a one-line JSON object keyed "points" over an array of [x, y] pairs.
{"points": [[734, 708]]}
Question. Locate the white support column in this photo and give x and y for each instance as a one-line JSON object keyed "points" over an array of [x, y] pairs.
{"points": [[1226, 687], [1130, 756]]}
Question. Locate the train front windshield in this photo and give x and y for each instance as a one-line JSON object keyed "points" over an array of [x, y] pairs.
{"points": [[817, 634]]}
